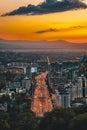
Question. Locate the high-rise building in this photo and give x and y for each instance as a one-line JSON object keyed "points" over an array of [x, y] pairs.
{"points": [[79, 90], [73, 91], [82, 81], [26, 83], [64, 100]]}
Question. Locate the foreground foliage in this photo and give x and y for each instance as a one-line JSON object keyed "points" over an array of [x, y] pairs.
{"points": [[58, 119]]}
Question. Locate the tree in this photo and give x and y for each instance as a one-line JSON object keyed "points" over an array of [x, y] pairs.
{"points": [[58, 119], [79, 122]]}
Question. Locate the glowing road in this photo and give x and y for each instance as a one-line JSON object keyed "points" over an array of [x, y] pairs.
{"points": [[41, 102]]}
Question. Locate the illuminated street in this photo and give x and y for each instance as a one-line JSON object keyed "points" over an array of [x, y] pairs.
{"points": [[41, 99]]}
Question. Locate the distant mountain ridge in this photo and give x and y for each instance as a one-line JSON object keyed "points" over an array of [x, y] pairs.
{"points": [[58, 45]]}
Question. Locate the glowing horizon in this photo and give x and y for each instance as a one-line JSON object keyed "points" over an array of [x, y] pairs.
{"points": [[68, 25]]}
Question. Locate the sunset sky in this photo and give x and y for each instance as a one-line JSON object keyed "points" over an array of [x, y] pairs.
{"points": [[70, 25]]}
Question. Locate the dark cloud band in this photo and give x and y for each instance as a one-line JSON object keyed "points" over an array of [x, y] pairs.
{"points": [[46, 31], [60, 30], [48, 7]]}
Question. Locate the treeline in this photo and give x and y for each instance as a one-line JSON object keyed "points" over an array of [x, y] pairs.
{"points": [[58, 119]]}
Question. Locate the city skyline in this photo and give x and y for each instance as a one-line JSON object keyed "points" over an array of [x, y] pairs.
{"points": [[69, 24]]}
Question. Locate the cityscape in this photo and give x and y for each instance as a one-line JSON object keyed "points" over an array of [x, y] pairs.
{"points": [[43, 64], [45, 81], [34, 86]]}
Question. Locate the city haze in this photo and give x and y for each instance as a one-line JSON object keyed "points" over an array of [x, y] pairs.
{"points": [[42, 46]]}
